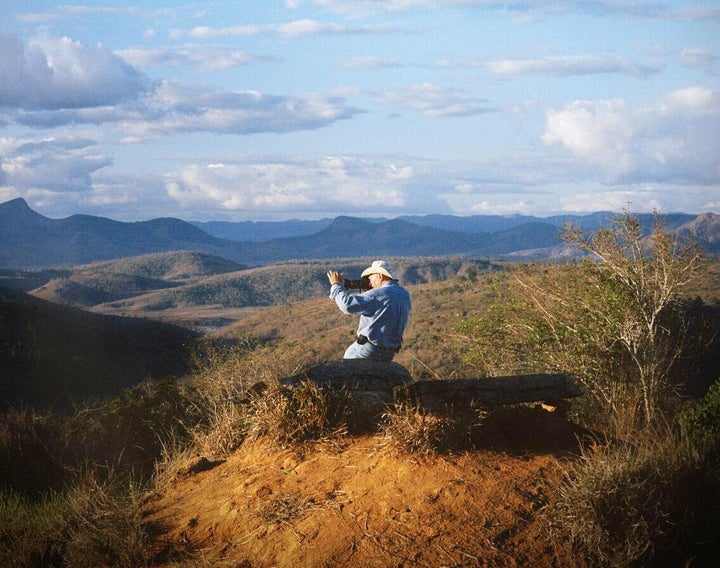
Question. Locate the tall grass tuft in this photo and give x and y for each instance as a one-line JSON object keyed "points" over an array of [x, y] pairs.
{"points": [[288, 416], [91, 524], [411, 430], [647, 500], [227, 376]]}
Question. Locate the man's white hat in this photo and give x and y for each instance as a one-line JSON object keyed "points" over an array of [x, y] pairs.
{"points": [[380, 267]]}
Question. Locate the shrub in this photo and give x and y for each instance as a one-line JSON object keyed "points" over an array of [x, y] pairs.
{"points": [[613, 320], [700, 419]]}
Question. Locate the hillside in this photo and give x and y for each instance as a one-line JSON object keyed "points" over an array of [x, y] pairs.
{"points": [[429, 348], [706, 229], [174, 266], [52, 354], [102, 354], [358, 500], [439, 304], [346, 499], [108, 281]]}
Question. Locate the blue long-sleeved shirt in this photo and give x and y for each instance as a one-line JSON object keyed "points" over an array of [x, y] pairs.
{"points": [[383, 312]]}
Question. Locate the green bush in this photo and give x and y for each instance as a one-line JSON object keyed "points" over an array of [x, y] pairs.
{"points": [[700, 419]]}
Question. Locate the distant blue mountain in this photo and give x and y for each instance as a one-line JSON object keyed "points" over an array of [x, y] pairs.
{"points": [[258, 231], [28, 240]]}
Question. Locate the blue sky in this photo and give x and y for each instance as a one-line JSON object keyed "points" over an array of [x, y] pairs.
{"points": [[272, 110]]}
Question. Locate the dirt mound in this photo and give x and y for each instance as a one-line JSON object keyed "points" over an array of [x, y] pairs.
{"points": [[360, 502]]}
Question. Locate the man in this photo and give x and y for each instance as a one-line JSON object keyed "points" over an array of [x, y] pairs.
{"points": [[383, 311]]}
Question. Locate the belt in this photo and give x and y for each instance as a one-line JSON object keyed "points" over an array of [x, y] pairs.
{"points": [[362, 340]]}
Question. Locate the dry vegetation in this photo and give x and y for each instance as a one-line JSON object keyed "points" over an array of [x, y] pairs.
{"points": [[216, 471]]}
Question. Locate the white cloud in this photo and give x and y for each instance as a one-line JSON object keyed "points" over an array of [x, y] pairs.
{"points": [[205, 32], [368, 63], [694, 57], [638, 201], [436, 101], [73, 10], [58, 73], [634, 8], [695, 13], [571, 65], [181, 107], [177, 107], [674, 140], [56, 164], [487, 208], [300, 185], [314, 27], [199, 57], [292, 29], [57, 81]]}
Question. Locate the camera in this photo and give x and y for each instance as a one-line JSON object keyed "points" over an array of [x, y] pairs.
{"points": [[359, 284]]}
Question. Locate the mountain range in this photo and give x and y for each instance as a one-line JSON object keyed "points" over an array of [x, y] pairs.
{"points": [[31, 241]]}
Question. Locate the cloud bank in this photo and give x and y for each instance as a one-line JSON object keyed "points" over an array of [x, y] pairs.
{"points": [[63, 82], [673, 140], [58, 73]]}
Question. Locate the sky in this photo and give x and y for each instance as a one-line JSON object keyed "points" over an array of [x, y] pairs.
{"points": [[267, 110]]}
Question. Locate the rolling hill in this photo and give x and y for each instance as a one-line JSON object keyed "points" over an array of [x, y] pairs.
{"points": [[208, 292]]}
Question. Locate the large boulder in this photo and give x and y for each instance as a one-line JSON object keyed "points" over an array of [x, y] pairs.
{"points": [[439, 396]]}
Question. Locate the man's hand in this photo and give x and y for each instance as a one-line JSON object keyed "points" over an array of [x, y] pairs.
{"points": [[335, 277]]}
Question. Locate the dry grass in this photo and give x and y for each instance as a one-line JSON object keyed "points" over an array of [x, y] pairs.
{"points": [[228, 376], [289, 416], [635, 502], [413, 431], [92, 524], [287, 508]]}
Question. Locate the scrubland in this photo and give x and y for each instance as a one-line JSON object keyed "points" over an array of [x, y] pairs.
{"points": [[205, 471]]}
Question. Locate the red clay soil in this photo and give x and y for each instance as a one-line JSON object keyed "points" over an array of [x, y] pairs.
{"points": [[360, 502]]}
